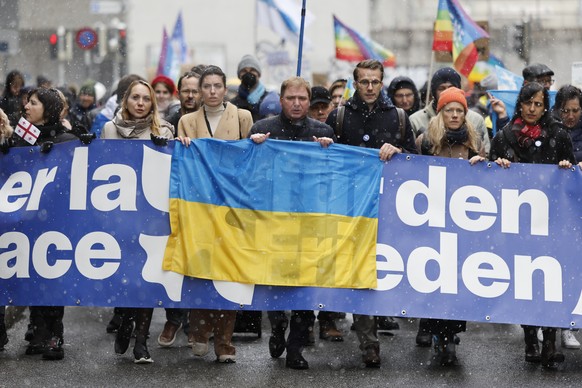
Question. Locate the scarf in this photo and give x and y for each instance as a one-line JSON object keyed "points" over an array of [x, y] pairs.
{"points": [[526, 134], [457, 137], [132, 128], [254, 96]]}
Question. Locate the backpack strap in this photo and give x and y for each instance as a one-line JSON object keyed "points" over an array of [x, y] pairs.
{"points": [[401, 123], [339, 120]]}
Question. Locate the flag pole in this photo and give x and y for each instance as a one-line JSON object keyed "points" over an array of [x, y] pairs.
{"points": [[429, 78], [300, 53]]}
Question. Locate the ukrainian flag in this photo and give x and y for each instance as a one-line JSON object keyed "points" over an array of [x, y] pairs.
{"points": [[278, 213]]}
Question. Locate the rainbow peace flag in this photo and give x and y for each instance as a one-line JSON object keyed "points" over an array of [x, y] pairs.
{"points": [[456, 32], [353, 47], [278, 213]]}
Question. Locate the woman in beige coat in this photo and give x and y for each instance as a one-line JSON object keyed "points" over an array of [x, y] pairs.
{"points": [[220, 120]]}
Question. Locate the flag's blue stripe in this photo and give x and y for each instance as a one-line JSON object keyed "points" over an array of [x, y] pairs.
{"points": [[278, 176]]}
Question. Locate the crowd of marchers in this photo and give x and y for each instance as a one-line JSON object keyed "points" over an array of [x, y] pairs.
{"points": [[390, 117]]}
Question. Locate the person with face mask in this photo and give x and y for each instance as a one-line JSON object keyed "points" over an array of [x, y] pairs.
{"points": [[251, 92]]}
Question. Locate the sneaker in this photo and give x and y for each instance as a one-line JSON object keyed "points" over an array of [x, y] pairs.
{"points": [[568, 340], [141, 354], [54, 350], [168, 335], [226, 359], [200, 349]]}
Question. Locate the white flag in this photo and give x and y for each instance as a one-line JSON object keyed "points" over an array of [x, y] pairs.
{"points": [[27, 131], [284, 18]]}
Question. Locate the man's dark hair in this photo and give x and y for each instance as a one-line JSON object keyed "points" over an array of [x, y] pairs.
{"points": [[372, 64], [186, 75]]}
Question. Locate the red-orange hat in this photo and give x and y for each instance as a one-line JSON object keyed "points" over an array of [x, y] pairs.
{"points": [[166, 81], [452, 94]]}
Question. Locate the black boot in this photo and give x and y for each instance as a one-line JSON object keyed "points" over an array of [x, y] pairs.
{"points": [[54, 349], [123, 335], [532, 348], [423, 337], [279, 325], [550, 355], [445, 348], [3, 335]]}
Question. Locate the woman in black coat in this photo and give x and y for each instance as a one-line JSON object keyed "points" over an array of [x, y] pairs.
{"points": [[43, 110], [534, 136]]}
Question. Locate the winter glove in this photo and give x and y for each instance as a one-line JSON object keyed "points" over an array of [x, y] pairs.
{"points": [[5, 147], [159, 140], [87, 138], [46, 147]]}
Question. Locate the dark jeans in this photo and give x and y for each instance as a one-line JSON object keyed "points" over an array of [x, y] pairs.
{"points": [[301, 322], [47, 322], [442, 326]]}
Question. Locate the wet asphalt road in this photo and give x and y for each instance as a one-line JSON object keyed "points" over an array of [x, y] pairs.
{"points": [[490, 355]]}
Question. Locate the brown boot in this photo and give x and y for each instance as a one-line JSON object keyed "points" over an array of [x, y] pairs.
{"points": [[371, 356], [329, 332], [550, 355]]}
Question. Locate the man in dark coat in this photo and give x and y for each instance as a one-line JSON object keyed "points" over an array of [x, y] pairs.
{"points": [[292, 124], [371, 120]]}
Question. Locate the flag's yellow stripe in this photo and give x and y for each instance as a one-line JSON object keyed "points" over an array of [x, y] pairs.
{"points": [[272, 248]]}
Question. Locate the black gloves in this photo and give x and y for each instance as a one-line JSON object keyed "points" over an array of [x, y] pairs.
{"points": [[159, 140], [5, 147], [87, 138], [46, 147]]}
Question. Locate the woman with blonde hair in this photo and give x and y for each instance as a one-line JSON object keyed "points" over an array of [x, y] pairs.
{"points": [[137, 119], [449, 135]]}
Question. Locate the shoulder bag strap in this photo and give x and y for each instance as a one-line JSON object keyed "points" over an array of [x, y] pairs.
{"points": [[339, 121]]}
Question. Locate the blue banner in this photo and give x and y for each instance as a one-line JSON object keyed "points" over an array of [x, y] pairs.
{"points": [[87, 225]]}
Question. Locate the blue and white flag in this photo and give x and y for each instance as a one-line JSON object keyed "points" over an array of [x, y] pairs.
{"points": [[506, 80], [284, 18]]}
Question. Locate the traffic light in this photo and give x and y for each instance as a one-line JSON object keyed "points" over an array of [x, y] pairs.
{"points": [[122, 42], [54, 45], [521, 40]]}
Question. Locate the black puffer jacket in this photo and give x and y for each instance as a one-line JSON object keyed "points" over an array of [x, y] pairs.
{"points": [[371, 129]]}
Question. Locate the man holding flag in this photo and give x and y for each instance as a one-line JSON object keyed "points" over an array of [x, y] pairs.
{"points": [[369, 119]]}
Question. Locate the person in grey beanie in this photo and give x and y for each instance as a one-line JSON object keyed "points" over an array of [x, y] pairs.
{"points": [[251, 92]]}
